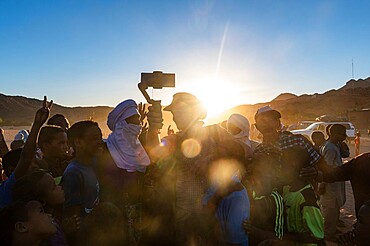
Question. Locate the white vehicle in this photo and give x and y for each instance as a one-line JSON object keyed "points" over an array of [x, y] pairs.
{"points": [[321, 126]]}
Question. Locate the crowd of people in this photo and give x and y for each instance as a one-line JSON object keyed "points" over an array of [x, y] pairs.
{"points": [[201, 185]]}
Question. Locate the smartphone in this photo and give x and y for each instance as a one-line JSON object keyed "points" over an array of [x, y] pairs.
{"points": [[158, 79]]}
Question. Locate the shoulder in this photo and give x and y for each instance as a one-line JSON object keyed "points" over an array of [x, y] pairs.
{"points": [[218, 133], [310, 198], [362, 160], [73, 169]]}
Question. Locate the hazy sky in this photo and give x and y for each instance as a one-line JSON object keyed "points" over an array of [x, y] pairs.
{"points": [[227, 52]]}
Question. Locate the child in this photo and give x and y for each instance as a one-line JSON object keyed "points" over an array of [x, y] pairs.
{"points": [[305, 222], [79, 180], [40, 185], [52, 141], [27, 154], [25, 223], [267, 209]]}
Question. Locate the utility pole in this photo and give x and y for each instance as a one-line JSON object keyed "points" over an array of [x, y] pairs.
{"points": [[353, 73]]}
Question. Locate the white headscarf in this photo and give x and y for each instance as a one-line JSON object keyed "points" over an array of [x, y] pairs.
{"points": [[243, 124], [123, 143]]}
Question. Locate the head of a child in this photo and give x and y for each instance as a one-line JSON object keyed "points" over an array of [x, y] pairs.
{"points": [[38, 185], [318, 138], [53, 142], [10, 161], [362, 235], [85, 137], [26, 222], [59, 120], [294, 159]]}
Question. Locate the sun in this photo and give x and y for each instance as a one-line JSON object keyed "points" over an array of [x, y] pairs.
{"points": [[216, 94]]}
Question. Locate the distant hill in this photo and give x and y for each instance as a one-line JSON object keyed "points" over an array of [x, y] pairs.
{"points": [[19, 110], [354, 84], [284, 96], [355, 95]]}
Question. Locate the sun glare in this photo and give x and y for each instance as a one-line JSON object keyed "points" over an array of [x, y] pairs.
{"points": [[216, 94]]}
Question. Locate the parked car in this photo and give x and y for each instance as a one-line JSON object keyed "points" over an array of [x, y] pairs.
{"points": [[321, 126]]}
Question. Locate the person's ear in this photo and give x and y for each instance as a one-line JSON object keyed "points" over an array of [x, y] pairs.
{"points": [[21, 227], [78, 142]]}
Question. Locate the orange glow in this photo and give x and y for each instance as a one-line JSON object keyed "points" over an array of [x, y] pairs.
{"points": [[191, 148], [216, 94]]}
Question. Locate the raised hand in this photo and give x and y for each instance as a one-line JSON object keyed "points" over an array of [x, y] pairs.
{"points": [[43, 113], [142, 112], [155, 117], [170, 131]]}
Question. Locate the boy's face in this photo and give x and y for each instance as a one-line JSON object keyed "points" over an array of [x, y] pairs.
{"points": [[91, 143], [54, 194], [267, 124], [39, 223], [58, 147]]}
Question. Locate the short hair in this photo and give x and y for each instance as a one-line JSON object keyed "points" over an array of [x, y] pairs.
{"points": [[9, 216], [29, 186], [337, 128], [11, 159], [54, 120], [78, 130], [47, 134], [316, 135]]}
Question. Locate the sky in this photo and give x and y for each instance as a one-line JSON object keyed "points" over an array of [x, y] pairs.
{"points": [[87, 52]]}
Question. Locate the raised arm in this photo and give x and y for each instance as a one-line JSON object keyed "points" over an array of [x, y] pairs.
{"points": [[3, 147], [29, 148], [155, 120]]}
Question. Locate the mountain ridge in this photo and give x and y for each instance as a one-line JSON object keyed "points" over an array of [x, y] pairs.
{"points": [[354, 95]]}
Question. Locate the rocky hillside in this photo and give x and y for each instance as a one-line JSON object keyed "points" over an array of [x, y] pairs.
{"points": [[17, 110], [354, 96]]}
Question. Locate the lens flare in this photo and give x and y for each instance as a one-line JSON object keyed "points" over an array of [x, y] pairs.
{"points": [[191, 148], [222, 171]]}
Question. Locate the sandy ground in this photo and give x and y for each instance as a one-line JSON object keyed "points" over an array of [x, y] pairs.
{"points": [[347, 212]]}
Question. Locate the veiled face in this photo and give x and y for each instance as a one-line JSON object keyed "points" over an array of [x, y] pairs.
{"points": [[133, 119]]}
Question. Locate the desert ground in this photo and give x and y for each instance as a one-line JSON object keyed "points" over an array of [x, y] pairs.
{"points": [[347, 212]]}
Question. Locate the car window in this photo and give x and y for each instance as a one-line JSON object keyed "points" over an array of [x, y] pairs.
{"points": [[321, 128], [347, 126]]}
